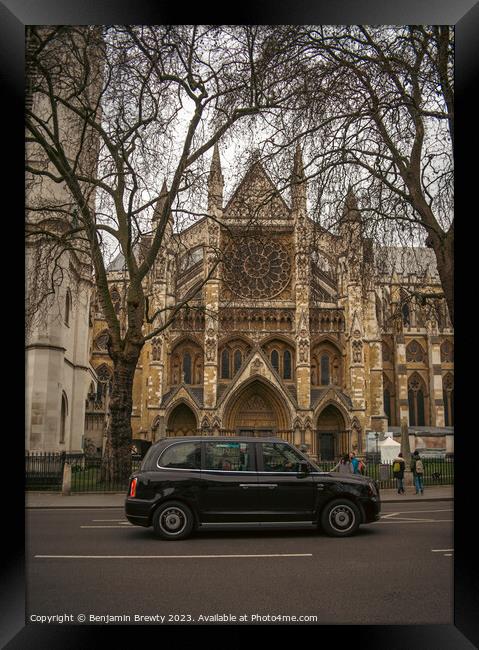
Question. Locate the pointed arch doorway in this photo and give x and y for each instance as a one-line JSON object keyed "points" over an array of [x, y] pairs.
{"points": [[181, 421], [332, 437], [257, 408]]}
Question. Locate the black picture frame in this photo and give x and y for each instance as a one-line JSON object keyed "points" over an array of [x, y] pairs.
{"points": [[464, 14]]}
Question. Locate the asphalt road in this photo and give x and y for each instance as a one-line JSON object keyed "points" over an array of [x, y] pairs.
{"points": [[397, 570]]}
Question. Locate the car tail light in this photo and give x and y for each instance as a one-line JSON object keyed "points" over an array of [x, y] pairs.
{"points": [[133, 483]]}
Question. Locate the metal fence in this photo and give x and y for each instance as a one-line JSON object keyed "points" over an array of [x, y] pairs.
{"points": [[44, 471], [437, 471]]}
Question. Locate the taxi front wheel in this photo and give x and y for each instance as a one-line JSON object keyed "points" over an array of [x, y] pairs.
{"points": [[340, 518]]}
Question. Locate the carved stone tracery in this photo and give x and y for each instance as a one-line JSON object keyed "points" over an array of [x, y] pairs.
{"points": [[256, 268]]}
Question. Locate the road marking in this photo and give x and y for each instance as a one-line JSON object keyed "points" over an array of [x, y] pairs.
{"points": [[391, 514], [109, 520], [126, 523], [167, 557], [441, 550], [415, 521], [414, 511]]}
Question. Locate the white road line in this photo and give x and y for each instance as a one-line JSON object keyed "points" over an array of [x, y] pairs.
{"points": [[413, 519], [441, 550], [109, 520], [412, 512], [416, 521], [391, 514], [118, 526], [166, 557]]}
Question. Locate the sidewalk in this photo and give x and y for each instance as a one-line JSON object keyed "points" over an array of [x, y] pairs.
{"points": [[117, 499]]}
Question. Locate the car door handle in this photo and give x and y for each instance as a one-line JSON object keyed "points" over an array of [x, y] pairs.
{"points": [[270, 486]]}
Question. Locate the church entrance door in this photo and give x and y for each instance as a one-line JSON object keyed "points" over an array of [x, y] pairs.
{"points": [[256, 410], [332, 438], [181, 422]]}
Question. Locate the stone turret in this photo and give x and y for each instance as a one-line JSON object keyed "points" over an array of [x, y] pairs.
{"points": [[215, 182], [212, 287], [301, 280]]}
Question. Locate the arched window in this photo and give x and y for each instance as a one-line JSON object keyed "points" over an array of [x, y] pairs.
{"points": [[187, 368], [287, 364], [68, 306], [448, 397], [104, 383], [238, 360], [225, 364], [63, 417], [416, 401], [406, 319], [324, 370], [275, 360]]}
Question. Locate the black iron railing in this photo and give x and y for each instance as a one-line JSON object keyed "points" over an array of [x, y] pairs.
{"points": [[44, 471]]}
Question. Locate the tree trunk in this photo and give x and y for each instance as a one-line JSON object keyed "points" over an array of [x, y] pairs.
{"points": [[444, 250], [117, 457]]}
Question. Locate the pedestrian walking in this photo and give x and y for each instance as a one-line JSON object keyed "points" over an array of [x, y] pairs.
{"points": [[357, 464], [354, 462], [417, 469], [344, 466], [399, 466]]}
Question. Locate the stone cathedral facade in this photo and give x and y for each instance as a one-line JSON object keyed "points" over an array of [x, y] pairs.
{"points": [[285, 337]]}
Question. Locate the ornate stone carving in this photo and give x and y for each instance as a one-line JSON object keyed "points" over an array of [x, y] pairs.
{"points": [[302, 265], [357, 351], [257, 367], [255, 403], [303, 347], [210, 344]]}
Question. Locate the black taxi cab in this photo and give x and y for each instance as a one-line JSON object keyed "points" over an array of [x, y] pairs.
{"points": [[200, 482]]}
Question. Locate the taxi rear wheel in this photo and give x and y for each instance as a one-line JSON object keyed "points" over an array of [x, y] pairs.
{"points": [[173, 520]]}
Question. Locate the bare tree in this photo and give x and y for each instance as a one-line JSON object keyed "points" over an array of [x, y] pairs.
{"points": [[374, 107], [112, 113]]}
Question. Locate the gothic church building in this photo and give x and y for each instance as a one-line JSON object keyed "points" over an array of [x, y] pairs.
{"points": [[285, 337]]}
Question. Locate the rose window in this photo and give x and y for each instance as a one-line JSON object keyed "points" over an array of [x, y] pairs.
{"points": [[256, 268]]}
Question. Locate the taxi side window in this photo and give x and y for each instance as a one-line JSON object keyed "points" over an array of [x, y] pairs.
{"points": [[228, 456], [280, 457], [183, 455]]}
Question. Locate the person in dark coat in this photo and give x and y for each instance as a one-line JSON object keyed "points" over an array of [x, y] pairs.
{"points": [[417, 468], [399, 466]]}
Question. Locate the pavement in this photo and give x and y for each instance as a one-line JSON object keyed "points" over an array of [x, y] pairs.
{"points": [[117, 499]]}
